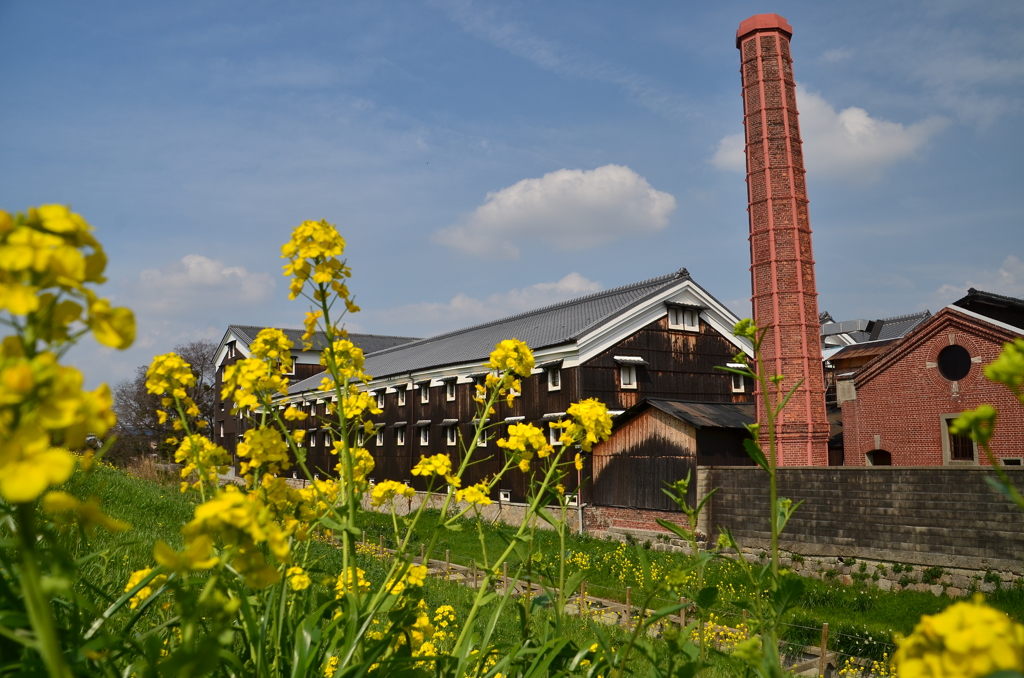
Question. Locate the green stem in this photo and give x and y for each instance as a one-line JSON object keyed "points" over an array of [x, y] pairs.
{"points": [[40, 613]]}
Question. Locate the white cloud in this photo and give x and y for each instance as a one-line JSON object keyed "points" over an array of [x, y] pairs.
{"points": [[1008, 280], [429, 318], [832, 56], [200, 280], [849, 144], [570, 209]]}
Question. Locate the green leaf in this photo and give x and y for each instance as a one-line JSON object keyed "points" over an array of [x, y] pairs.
{"points": [[754, 450], [706, 597], [786, 596]]}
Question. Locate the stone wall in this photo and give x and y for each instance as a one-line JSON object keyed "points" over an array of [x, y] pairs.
{"points": [[946, 518]]}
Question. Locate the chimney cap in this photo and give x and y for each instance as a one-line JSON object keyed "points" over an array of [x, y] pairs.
{"points": [[763, 22]]}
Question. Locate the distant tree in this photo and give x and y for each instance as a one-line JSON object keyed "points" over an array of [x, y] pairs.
{"points": [[138, 430]]}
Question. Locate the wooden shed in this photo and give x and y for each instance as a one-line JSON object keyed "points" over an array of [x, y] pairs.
{"points": [[659, 441]]}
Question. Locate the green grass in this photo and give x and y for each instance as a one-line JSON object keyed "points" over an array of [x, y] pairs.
{"points": [[862, 620]]}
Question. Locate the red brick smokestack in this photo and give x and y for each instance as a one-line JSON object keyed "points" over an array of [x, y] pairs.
{"points": [[782, 264]]}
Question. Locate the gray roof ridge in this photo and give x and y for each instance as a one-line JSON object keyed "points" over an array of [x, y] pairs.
{"points": [[907, 316], [680, 274], [974, 290], [301, 329]]}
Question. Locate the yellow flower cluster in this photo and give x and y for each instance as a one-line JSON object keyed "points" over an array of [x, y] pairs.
{"points": [[348, 360], [263, 448], [523, 442], [385, 491], [590, 424], [415, 575], [170, 374], [967, 639], [146, 591], [273, 346], [475, 494], [298, 580], [245, 380], [48, 253], [437, 465], [243, 523], [43, 407], [312, 254], [354, 579], [86, 514], [512, 355], [200, 455]]}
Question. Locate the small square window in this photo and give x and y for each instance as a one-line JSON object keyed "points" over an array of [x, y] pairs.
{"points": [[220, 429], [449, 390], [380, 437], [451, 435], [424, 393], [737, 383], [380, 399], [424, 435], [1011, 462], [360, 437], [400, 435], [687, 319], [961, 447], [627, 376], [482, 440], [401, 396], [554, 378], [554, 434]]}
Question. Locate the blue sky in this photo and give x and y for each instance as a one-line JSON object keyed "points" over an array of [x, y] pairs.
{"points": [[486, 158]]}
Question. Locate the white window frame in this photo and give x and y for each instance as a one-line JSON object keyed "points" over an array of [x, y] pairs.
{"points": [[424, 436], [554, 434], [220, 428], [738, 384], [627, 377], [401, 396], [554, 378], [400, 436], [451, 435], [449, 390], [380, 437], [482, 440], [424, 393], [360, 437], [380, 399], [682, 318]]}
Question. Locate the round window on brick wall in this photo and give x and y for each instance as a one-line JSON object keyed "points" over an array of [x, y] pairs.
{"points": [[954, 362]]}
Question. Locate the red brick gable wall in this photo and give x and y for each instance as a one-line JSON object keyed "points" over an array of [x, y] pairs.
{"points": [[902, 398]]}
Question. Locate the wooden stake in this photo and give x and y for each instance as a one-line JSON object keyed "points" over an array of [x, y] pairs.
{"points": [[447, 562], [823, 663], [380, 545], [364, 537], [504, 567], [423, 554], [629, 608]]}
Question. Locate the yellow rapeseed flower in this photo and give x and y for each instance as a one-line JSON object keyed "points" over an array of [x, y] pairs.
{"points": [[146, 591], [387, 490], [475, 494], [512, 355], [967, 640]]}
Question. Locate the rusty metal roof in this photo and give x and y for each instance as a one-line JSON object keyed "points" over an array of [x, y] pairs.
{"points": [[698, 414]]}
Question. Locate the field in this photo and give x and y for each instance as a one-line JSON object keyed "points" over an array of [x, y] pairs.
{"points": [[862, 620]]}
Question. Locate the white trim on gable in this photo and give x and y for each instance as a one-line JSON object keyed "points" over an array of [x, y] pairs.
{"points": [[685, 292]]}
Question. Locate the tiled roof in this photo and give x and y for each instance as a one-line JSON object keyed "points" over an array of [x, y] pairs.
{"points": [[891, 328], [368, 342], [549, 326]]}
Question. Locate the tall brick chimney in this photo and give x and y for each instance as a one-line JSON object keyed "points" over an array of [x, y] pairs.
{"points": [[781, 261]]}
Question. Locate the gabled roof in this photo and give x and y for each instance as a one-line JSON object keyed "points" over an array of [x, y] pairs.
{"points": [[368, 342], [963, 319], [698, 414], [549, 326], [1009, 310]]}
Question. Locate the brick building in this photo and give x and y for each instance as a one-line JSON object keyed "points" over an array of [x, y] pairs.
{"points": [[897, 408], [659, 338]]}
